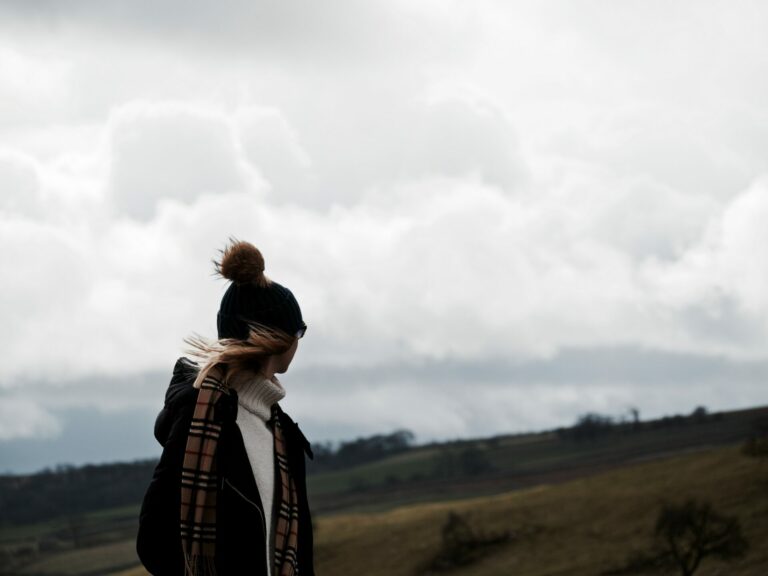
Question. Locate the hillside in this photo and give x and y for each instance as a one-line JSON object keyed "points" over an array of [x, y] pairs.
{"points": [[492, 465], [575, 528], [578, 527], [374, 479], [521, 483]]}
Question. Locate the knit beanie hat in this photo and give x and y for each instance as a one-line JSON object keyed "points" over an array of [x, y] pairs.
{"points": [[252, 297]]}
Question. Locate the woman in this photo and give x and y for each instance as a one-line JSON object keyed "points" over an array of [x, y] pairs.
{"points": [[229, 493]]}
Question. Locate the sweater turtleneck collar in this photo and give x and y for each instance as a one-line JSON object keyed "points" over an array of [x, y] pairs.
{"points": [[255, 392]]}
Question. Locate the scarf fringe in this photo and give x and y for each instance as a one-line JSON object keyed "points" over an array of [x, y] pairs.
{"points": [[198, 565]]}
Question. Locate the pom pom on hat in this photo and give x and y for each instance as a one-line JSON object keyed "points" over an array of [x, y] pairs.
{"points": [[242, 263]]}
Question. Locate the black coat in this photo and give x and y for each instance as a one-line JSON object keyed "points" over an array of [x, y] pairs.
{"points": [[240, 545]]}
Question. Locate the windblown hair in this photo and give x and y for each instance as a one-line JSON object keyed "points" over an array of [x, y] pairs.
{"points": [[236, 354]]}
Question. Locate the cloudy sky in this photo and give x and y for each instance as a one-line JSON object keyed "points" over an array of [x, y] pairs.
{"points": [[496, 215]]}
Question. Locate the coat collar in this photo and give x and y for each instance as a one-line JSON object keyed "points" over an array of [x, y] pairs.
{"points": [[293, 428]]}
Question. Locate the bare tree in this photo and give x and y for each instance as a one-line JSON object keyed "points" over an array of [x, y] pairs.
{"points": [[689, 532], [684, 535]]}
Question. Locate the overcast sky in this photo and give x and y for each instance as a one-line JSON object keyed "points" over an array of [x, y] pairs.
{"points": [[496, 216]]}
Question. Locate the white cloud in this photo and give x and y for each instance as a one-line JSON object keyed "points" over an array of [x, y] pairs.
{"points": [[20, 184], [171, 151], [434, 182], [425, 267], [716, 289], [22, 418], [739, 252], [275, 150], [35, 86]]}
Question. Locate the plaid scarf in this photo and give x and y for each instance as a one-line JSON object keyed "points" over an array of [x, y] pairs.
{"points": [[287, 506], [199, 480], [199, 485]]}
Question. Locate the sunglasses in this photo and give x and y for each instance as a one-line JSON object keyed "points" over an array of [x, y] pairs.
{"points": [[301, 331]]}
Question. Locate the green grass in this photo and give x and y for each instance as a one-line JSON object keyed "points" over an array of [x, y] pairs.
{"points": [[401, 466], [115, 513], [105, 537]]}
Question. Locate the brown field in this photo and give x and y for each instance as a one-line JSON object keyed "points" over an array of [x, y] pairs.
{"points": [[579, 527]]}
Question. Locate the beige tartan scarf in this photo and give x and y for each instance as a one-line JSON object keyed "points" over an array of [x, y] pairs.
{"points": [[199, 483], [287, 506]]}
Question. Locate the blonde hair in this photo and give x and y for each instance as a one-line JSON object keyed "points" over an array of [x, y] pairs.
{"points": [[235, 354]]}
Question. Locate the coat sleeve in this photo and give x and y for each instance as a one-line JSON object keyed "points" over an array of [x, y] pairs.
{"points": [[158, 542]]}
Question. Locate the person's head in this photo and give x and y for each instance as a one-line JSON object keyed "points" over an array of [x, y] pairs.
{"points": [[259, 321], [252, 298]]}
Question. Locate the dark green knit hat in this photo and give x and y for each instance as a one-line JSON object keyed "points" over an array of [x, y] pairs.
{"points": [[252, 297]]}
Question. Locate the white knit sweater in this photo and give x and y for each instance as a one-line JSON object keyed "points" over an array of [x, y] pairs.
{"points": [[256, 394]]}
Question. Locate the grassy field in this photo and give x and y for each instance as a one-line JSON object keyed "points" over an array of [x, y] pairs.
{"points": [[106, 543], [581, 527], [578, 527]]}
